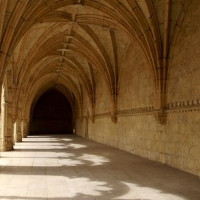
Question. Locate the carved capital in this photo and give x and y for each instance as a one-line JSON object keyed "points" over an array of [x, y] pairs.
{"points": [[14, 118], [93, 114], [160, 116], [93, 118], [114, 118]]}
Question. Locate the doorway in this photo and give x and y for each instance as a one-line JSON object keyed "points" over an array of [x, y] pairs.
{"points": [[52, 114]]}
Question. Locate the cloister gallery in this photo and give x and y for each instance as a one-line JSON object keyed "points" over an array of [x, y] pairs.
{"points": [[100, 99]]}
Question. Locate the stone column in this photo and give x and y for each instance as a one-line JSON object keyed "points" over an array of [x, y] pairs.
{"points": [[6, 127], [17, 131], [24, 127], [1, 136], [86, 128], [114, 108]]}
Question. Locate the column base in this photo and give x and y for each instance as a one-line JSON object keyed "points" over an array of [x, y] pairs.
{"points": [[25, 135], [6, 144], [19, 138]]}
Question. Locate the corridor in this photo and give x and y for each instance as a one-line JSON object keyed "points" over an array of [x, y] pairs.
{"points": [[60, 167]]}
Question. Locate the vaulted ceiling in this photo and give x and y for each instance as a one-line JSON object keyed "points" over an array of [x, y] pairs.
{"points": [[56, 42]]}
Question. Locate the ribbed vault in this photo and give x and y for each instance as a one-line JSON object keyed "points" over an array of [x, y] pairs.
{"points": [[67, 43]]}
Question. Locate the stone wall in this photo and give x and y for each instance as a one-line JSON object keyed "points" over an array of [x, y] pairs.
{"points": [[136, 130], [177, 143], [136, 84], [102, 94], [183, 125]]}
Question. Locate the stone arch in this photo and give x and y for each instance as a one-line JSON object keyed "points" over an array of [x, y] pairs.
{"points": [[34, 92], [51, 112]]}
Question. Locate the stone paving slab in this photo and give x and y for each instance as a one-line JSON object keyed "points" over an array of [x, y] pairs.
{"points": [[62, 167]]}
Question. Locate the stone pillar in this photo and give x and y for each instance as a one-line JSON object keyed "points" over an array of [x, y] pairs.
{"points": [[24, 128], [114, 108], [6, 127], [17, 131], [1, 136], [86, 128]]}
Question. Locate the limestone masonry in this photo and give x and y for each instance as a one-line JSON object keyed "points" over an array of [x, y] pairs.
{"points": [[130, 70]]}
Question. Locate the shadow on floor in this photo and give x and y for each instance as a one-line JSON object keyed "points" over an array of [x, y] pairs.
{"points": [[79, 197], [80, 169]]}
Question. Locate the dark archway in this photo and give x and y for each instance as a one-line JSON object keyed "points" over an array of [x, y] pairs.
{"points": [[52, 114]]}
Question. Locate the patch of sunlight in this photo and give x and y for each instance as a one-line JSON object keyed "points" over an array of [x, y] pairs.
{"points": [[70, 162], [136, 192], [37, 144], [3, 162], [41, 147], [64, 155], [85, 186], [66, 140], [76, 146], [96, 160]]}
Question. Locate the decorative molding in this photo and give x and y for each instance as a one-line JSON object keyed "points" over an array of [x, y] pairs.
{"points": [[160, 115], [127, 112], [100, 115], [183, 106], [136, 111]]}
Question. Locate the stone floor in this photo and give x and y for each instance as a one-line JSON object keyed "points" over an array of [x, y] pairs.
{"points": [[69, 167]]}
